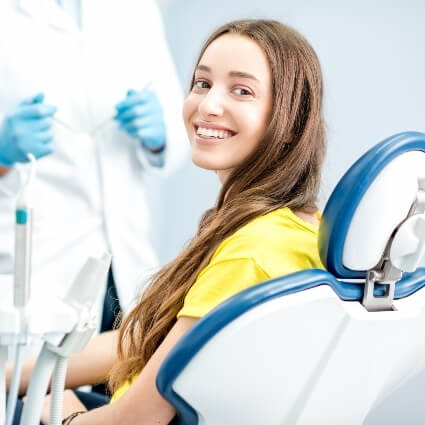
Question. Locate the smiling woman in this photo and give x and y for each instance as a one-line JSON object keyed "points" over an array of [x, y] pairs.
{"points": [[254, 115]]}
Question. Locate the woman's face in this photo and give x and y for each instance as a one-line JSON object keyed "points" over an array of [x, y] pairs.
{"points": [[227, 111]]}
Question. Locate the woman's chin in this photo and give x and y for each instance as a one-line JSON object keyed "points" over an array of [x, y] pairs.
{"points": [[202, 161]]}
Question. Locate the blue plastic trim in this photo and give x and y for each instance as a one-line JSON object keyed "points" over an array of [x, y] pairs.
{"points": [[225, 313], [348, 193], [410, 283], [21, 216]]}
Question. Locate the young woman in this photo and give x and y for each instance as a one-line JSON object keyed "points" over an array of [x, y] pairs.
{"points": [[253, 115]]}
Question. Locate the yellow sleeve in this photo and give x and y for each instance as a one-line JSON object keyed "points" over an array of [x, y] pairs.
{"points": [[218, 282]]}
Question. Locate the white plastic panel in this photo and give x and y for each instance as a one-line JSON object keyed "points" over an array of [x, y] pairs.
{"points": [[305, 359], [382, 209], [408, 245]]}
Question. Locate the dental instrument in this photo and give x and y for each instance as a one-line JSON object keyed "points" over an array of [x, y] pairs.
{"points": [[23, 236], [99, 126], [53, 357], [24, 217], [64, 124], [66, 325]]}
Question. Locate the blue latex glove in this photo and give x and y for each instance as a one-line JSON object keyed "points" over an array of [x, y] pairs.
{"points": [[27, 129], [140, 115]]}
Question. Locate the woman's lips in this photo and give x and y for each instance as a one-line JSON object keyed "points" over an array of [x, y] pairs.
{"points": [[211, 126]]}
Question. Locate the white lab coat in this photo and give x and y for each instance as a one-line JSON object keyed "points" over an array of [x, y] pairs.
{"points": [[89, 195]]}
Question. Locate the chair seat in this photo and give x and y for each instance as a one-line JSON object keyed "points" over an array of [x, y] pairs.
{"points": [[280, 354]]}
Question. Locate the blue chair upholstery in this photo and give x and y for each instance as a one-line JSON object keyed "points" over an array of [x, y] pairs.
{"points": [[335, 223]]}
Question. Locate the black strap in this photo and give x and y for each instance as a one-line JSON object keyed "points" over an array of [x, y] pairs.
{"points": [[71, 417]]}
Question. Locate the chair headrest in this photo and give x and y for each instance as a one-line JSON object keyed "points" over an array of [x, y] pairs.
{"points": [[369, 203]]}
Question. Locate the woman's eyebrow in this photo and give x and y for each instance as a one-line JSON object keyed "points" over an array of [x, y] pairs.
{"points": [[205, 68], [240, 74]]}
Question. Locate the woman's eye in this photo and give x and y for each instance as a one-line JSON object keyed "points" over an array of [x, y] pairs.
{"points": [[201, 84], [242, 92]]}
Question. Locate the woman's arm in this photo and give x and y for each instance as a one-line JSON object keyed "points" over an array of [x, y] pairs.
{"points": [[141, 404], [90, 366]]}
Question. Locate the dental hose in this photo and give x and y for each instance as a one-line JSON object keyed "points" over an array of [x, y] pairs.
{"points": [[38, 387], [58, 386]]}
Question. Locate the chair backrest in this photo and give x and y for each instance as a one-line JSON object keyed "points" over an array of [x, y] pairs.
{"points": [[369, 203], [293, 350]]}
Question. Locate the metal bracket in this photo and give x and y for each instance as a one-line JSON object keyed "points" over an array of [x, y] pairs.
{"points": [[385, 273], [387, 276]]}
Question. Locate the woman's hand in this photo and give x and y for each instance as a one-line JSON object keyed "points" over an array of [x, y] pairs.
{"points": [[71, 404]]}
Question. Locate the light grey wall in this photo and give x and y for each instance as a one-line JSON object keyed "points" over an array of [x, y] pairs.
{"points": [[372, 55]]}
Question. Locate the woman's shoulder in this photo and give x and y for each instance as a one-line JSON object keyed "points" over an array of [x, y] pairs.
{"points": [[275, 231], [280, 219]]}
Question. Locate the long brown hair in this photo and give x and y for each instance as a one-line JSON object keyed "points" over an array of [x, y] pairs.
{"points": [[283, 171]]}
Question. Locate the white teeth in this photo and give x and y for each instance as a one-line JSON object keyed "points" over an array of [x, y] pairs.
{"points": [[209, 132]]}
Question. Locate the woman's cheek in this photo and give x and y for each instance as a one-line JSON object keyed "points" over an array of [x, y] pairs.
{"points": [[189, 108]]}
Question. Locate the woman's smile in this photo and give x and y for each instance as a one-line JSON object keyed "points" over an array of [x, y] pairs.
{"points": [[211, 133]]}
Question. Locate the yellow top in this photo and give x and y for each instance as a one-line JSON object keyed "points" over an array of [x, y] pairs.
{"points": [[273, 245], [269, 246]]}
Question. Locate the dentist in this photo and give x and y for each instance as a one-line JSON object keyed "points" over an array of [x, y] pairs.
{"points": [[89, 88]]}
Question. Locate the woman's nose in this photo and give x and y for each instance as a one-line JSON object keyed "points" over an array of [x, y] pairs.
{"points": [[212, 104]]}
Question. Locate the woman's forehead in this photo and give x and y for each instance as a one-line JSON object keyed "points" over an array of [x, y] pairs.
{"points": [[235, 53]]}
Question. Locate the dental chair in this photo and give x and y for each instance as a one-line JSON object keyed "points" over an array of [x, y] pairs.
{"points": [[322, 347]]}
